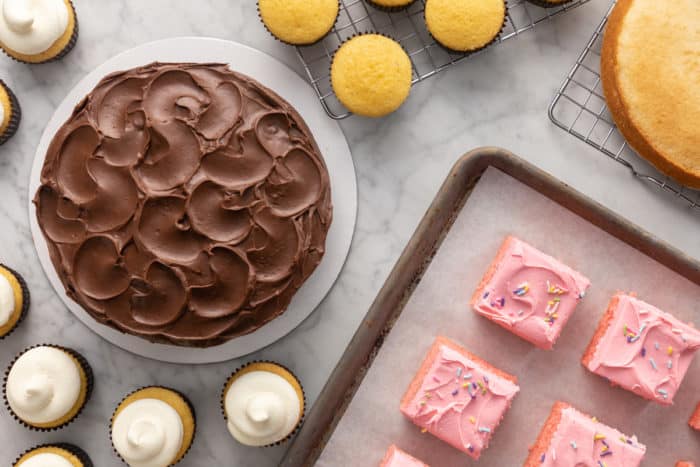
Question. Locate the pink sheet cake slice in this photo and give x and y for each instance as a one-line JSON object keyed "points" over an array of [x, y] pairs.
{"points": [[395, 457], [642, 349], [529, 293], [572, 438], [458, 397]]}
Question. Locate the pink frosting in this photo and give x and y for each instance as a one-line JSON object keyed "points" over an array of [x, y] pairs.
{"points": [[645, 350], [460, 402], [531, 294], [397, 458], [582, 441]]}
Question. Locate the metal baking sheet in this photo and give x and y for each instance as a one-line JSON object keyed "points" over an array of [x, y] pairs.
{"points": [[359, 405]]}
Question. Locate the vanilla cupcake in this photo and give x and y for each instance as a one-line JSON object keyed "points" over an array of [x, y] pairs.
{"points": [[153, 427], [10, 113], [263, 404], [37, 31], [14, 300], [298, 22], [47, 386], [54, 455], [465, 26]]}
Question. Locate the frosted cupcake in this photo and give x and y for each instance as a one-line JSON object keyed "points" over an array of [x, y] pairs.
{"points": [[263, 404], [47, 386], [153, 427], [10, 113], [54, 455], [37, 31], [14, 300]]}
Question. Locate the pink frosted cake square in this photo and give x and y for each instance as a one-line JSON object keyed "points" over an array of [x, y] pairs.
{"points": [[571, 438], [458, 397], [529, 293], [642, 349], [395, 457]]}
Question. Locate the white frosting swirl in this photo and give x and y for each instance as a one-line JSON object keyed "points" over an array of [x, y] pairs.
{"points": [[148, 433], [46, 459], [262, 408], [32, 26], [7, 295], [43, 385]]}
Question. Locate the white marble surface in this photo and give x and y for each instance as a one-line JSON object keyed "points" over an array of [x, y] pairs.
{"points": [[497, 98]]}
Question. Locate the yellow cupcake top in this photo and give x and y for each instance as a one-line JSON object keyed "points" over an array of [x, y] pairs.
{"points": [[392, 3], [371, 75], [298, 22], [464, 25]]}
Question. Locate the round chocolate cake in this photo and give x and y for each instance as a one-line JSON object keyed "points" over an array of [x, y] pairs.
{"points": [[184, 203]]}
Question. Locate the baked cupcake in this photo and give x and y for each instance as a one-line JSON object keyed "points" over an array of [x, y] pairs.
{"points": [[298, 22], [371, 75], [10, 113], [153, 426], [391, 5], [54, 455], [47, 386], [14, 300], [263, 404], [38, 31], [550, 3], [464, 26]]}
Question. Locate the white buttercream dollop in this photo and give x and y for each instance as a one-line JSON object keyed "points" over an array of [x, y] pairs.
{"points": [[43, 385], [148, 433], [261, 408], [7, 295], [32, 26], [46, 459]]}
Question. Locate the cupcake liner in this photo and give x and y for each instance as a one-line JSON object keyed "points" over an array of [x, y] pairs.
{"points": [[335, 22], [73, 449], [470, 52], [546, 4], [25, 290], [184, 398], [389, 9], [68, 47], [90, 383], [15, 117], [301, 418]]}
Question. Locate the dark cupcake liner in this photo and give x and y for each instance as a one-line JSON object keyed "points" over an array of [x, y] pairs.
{"points": [[71, 448], [23, 285], [90, 381], [15, 116], [470, 52], [335, 22], [545, 4], [183, 396], [69, 46], [389, 9], [303, 393]]}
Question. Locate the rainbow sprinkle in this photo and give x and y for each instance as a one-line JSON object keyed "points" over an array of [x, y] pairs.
{"points": [[669, 351], [669, 365], [574, 445], [598, 437], [522, 289], [542, 458], [472, 420], [423, 430], [653, 364], [484, 429], [663, 393], [555, 289]]}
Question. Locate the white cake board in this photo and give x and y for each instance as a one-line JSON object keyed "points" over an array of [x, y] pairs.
{"points": [[329, 137]]}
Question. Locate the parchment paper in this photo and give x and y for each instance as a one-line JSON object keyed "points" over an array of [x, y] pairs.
{"points": [[501, 205]]}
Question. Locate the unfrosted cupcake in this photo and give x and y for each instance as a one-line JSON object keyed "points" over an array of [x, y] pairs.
{"points": [[550, 3], [263, 404], [54, 455], [14, 300], [371, 75], [37, 31], [391, 5], [298, 22], [10, 113], [47, 386], [465, 25], [153, 427]]}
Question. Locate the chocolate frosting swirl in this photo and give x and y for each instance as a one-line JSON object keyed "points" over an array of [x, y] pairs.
{"points": [[184, 203]]}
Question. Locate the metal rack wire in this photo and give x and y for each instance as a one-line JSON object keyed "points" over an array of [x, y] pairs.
{"points": [[579, 108], [408, 28]]}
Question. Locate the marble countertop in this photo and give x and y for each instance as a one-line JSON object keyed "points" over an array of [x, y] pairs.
{"points": [[497, 98]]}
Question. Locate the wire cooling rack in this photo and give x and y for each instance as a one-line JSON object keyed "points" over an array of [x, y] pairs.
{"points": [[579, 108], [408, 27]]}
